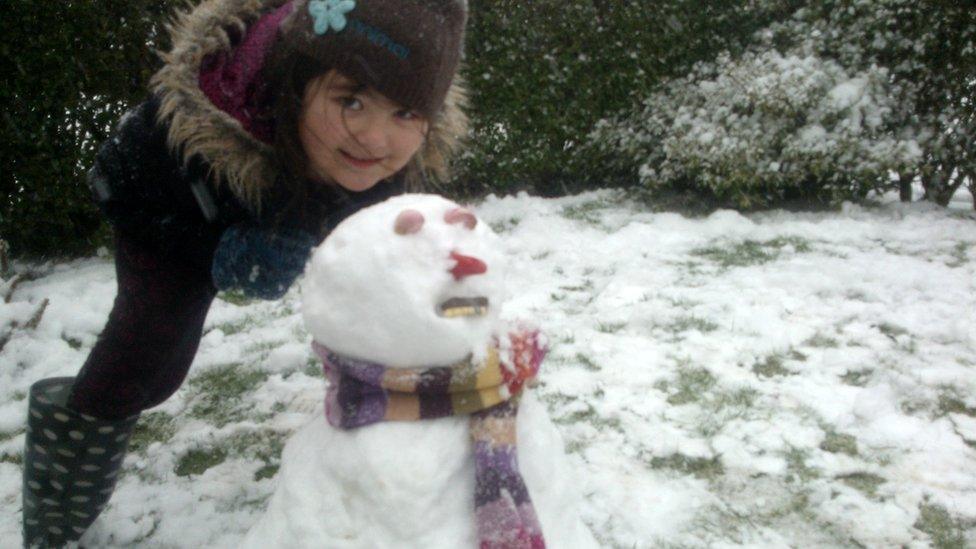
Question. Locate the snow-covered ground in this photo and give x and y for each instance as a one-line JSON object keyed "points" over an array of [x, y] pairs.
{"points": [[775, 380]]}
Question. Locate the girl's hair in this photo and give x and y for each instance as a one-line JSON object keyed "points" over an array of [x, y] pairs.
{"points": [[286, 75]]}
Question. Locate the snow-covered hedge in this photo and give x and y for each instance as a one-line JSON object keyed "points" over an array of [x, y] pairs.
{"points": [[764, 127], [840, 97]]}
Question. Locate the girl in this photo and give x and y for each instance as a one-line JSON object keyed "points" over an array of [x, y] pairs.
{"points": [[270, 121]]}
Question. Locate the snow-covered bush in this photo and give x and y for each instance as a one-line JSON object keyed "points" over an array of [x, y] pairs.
{"points": [[929, 49], [829, 103], [764, 127]]}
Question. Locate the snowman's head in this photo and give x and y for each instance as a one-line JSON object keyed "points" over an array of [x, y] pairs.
{"points": [[413, 281]]}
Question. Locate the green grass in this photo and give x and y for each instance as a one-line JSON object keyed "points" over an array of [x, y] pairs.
{"points": [[680, 302], [587, 363], [689, 387], [72, 342], [585, 286], [590, 212], [797, 356], [219, 391], [950, 403], [10, 434], [797, 468], [610, 327], [16, 458], [945, 531], [700, 468], [740, 254], [750, 252], [151, 427], [857, 378], [237, 327], [265, 446], [771, 366], [898, 336], [235, 297], [260, 350], [505, 225], [574, 446], [822, 341], [731, 523], [196, 462], [559, 399], [688, 323], [866, 483], [960, 254], [313, 368], [855, 295], [799, 244], [839, 443], [228, 381], [268, 470], [718, 407], [590, 415], [798, 505], [891, 331], [733, 401]]}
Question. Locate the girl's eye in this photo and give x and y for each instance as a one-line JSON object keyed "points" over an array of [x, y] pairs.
{"points": [[407, 115], [350, 102]]}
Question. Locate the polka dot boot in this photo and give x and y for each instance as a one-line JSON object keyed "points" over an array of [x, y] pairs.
{"points": [[71, 462]]}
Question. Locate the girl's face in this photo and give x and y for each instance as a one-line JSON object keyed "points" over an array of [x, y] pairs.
{"points": [[355, 136]]}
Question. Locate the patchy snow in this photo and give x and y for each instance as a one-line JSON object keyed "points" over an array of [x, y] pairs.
{"points": [[779, 379]]}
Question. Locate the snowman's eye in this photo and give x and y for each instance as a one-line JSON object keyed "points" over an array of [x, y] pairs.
{"points": [[462, 216], [408, 222]]}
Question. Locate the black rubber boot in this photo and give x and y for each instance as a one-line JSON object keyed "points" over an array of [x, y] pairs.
{"points": [[71, 463]]}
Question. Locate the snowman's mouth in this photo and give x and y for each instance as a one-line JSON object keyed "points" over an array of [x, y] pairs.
{"points": [[463, 307]]}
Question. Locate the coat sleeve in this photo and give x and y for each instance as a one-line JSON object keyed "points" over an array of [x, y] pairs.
{"points": [[125, 177], [148, 194]]}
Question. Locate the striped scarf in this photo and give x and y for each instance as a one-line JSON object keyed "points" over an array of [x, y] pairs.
{"points": [[362, 393]]}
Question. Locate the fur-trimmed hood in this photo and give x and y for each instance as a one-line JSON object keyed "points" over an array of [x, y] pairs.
{"points": [[236, 158]]}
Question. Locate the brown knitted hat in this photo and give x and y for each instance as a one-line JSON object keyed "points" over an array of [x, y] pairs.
{"points": [[408, 50]]}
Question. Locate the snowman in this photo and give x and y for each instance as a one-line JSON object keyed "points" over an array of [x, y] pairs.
{"points": [[432, 437]]}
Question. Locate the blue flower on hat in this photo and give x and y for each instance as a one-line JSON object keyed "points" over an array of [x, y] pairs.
{"points": [[330, 14]]}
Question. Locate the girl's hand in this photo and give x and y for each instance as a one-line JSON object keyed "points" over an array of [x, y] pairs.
{"points": [[259, 261]]}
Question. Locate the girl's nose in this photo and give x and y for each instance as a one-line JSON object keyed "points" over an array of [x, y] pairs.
{"points": [[371, 132]]}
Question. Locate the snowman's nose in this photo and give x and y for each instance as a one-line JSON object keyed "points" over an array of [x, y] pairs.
{"points": [[466, 266]]}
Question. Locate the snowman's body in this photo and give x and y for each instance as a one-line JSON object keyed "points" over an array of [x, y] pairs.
{"points": [[407, 484]]}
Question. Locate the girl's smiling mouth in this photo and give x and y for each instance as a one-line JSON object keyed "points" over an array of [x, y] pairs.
{"points": [[361, 163]]}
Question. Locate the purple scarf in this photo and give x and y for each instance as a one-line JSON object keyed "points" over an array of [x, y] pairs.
{"points": [[362, 393]]}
